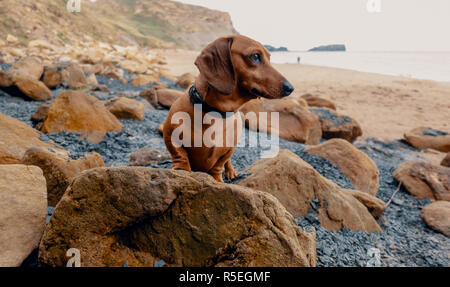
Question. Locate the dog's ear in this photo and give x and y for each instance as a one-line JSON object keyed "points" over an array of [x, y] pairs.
{"points": [[216, 65]]}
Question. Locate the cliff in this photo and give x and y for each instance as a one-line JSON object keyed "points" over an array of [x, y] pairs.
{"points": [[153, 23]]}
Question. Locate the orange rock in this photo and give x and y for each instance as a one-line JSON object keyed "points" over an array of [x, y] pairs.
{"points": [[78, 112], [423, 138], [424, 180], [16, 138], [354, 164], [296, 123], [125, 108], [161, 97], [296, 184], [185, 80], [139, 215], [437, 216], [337, 126], [316, 101], [23, 204], [59, 170]]}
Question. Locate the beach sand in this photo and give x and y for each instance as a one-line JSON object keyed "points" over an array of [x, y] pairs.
{"points": [[385, 106]]}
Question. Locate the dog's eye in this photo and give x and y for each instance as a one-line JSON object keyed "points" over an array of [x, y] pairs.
{"points": [[255, 58]]}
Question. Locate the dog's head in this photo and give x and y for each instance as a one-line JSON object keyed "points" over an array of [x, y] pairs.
{"points": [[238, 62]]}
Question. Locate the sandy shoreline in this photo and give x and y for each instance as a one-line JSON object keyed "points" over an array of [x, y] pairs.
{"points": [[385, 106]]}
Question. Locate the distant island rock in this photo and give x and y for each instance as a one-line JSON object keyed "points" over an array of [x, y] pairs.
{"points": [[274, 49], [329, 48]]}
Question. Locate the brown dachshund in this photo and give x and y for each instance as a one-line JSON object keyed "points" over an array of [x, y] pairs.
{"points": [[233, 70]]}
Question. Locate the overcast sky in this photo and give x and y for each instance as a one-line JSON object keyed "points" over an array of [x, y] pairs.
{"points": [[402, 25]]}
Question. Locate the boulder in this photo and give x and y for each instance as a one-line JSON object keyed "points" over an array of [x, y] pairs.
{"points": [[446, 160], [59, 170], [142, 80], [138, 216], [337, 126], [297, 184], [78, 112], [437, 216], [70, 73], [27, 67], [423, 138], [31, 89], [161, 98], [16, 138], [185, 80], [358, 167], [125, 108], [40, 114], [296, 123], [316, 101], [424, 180], [146, 156], [23, 204]]}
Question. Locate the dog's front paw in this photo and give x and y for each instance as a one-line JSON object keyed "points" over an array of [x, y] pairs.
{"points": [[230, 173]]}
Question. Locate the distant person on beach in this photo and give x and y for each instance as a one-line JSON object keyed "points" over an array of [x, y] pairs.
{"points": [[298, 60]]}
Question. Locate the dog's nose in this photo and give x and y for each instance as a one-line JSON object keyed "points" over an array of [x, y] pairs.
{"points": [[287, 88]]}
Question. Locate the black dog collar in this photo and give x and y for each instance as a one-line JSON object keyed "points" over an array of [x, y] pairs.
{"points": [[197, 100]]}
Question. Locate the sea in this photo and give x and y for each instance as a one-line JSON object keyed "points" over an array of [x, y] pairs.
{"points": [[419, 65]]}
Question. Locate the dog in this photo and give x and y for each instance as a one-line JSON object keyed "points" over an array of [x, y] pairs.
{"points": [[233, 71]]}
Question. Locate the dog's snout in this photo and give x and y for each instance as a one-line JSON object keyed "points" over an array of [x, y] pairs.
{"points": [[287, 88]]}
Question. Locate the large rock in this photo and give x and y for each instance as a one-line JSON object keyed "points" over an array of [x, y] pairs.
{"points": [[23, 204], [78, 112], [125, 108], [316, 101], [28, 67], [16, 138], [437, 216], [59, 171], [424, 180], [185, 80], [161, 98], [146, 156], [138, 216], [423, 138], [337, 126], [354, 164], [446, 160], [70, 73], [31, 89], [296, 123], [296, 184], [142, 80]]}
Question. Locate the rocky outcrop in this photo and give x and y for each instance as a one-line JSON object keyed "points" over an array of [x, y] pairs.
{"points": [[424, 180], [161, 98], [146, 156], [59, 171], [316, 101], [16, 138], [337, 126], [328, 48], [139, 216], [354, 164], [423, 138], [78, 112], [437, 216], [125, 108], [23, 204], [298, 185], [296, 123]]}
